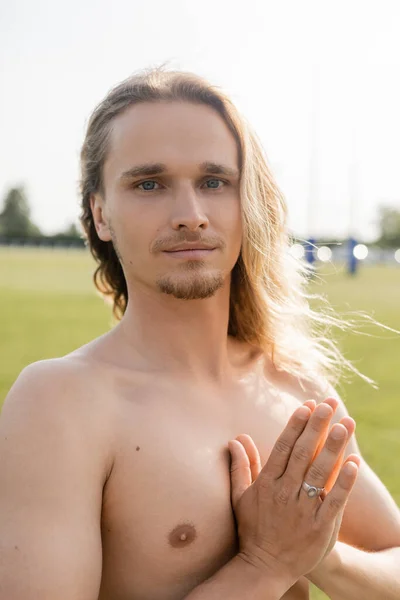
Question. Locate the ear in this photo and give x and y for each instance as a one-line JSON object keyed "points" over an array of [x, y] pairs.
{"points": [[100, 219]]}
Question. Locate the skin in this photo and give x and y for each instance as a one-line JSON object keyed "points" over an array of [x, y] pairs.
{"points": [[131, 431]]}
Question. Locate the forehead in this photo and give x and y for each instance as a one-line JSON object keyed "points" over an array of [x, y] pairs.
{"points": [[176, 134]]}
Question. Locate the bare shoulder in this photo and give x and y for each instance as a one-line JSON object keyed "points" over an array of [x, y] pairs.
{"points": [[61, 396], [320, 389], [301, 388], [54, 382]]}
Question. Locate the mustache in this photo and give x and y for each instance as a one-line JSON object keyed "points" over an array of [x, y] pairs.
{"points": [[164, 244]]}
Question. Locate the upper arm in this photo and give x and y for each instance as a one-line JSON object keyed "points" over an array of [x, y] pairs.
{"points": [[51, 480], [371, 520]]}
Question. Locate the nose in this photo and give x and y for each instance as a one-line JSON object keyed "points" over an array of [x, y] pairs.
{"points": [[188, 210]]}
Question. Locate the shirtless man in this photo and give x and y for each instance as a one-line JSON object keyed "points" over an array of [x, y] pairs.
{"points": [[115, 478]]}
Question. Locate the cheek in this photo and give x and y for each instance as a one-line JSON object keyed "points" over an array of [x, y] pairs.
{"points": [[232, 223], [131, 236]]}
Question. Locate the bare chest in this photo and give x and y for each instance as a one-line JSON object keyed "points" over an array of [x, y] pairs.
{"points": [[167, 522]]}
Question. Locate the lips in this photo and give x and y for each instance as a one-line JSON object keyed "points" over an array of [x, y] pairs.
{"points": [[190, 252], [189, 248]]}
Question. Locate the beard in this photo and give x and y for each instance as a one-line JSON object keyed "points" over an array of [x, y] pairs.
{"points": [[192, 284]]}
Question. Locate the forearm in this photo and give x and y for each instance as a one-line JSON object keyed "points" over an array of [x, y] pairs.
{"points": [[360, 574], [240, 580]]}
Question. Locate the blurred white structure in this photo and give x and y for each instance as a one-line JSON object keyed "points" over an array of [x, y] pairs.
{"points": [[297, 250], [360, 251], [335, 254], [324, 254]]}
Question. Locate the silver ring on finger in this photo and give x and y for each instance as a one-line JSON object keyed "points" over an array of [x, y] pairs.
{"points": [[311, 490]]}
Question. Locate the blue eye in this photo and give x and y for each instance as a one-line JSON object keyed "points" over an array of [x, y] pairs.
{"points": [[214, 183], [148, 186]]}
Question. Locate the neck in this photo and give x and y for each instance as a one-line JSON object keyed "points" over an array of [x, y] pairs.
{"points": [[188, 337]]}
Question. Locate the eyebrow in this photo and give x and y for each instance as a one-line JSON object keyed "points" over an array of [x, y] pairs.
{"points": [[218, 169], [149, 169]]}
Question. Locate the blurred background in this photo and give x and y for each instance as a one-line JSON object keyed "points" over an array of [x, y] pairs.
{"points": [[319, 82]]}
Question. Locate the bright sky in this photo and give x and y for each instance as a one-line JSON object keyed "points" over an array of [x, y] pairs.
{"points": [[318, 80]]}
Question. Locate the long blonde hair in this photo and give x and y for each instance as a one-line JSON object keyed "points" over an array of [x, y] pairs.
{"points": [[269, 306]]}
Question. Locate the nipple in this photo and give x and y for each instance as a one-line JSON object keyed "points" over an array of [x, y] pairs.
{"points": [[182, 535]]}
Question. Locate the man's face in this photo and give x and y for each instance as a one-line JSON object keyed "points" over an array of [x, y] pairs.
{"points": [[172, 179]]}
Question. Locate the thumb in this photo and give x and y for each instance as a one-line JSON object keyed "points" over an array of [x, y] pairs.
{"points": [[240, 471]]}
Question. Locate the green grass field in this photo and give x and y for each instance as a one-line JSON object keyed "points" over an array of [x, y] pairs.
{"points": [[48, 307]]}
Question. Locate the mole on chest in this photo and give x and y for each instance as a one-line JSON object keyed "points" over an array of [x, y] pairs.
{"points": [[182, 535]]}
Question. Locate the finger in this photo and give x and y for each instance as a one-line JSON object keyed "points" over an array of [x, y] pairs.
{"points": [[323, 466], [239, 470], [280, 453], [253, 454], [336, 500], [354, 458], [333, 402], [350, 425], [311, 404], [306, 446]]}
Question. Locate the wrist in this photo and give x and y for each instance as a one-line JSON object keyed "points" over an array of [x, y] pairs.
{"points": [[271, 577], [327, 568]]}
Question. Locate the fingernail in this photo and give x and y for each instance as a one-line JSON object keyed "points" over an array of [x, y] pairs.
{"points": [[338, 432], [356, 459], [303, 413], [349, 468], [324, 410], [332, 401]]}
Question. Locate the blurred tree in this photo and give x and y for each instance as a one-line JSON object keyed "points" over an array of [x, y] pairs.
{"points": [[15, 220], [72, 231], [389, 224]]}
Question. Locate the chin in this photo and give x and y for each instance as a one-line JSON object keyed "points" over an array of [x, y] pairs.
{"points": [[191, 287]]}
